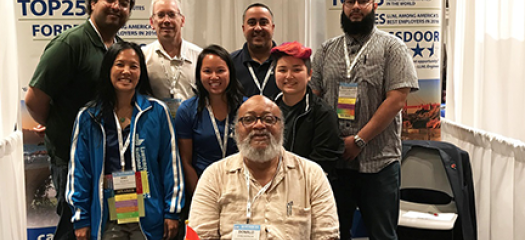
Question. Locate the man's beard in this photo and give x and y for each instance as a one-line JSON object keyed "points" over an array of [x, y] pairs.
{"points": [[259, 155], [260, 46], [100, 21], [362, 27]]}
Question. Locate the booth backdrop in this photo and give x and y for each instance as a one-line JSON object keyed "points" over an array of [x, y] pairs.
{"points": [[37, 22]]}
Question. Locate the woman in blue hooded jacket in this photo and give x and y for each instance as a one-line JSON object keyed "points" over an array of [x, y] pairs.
{"points": [[125, 177]]}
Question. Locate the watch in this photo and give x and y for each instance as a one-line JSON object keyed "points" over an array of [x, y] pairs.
{"points": [[359, 141]]}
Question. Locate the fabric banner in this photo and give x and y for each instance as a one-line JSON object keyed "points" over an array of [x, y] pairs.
{"points": [[418, 24], [38, 22]]}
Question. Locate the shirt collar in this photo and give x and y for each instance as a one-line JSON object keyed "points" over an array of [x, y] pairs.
{"points": [[142, 102], [100, 36], [361, 39], [238, 165], [304, 102], [246, 54], [183, 51]]}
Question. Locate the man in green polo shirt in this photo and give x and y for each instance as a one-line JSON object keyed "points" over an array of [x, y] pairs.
{"points": [[65, 80]]}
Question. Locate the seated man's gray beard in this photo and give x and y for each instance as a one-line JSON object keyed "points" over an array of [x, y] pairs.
{"points": [[259, 155]]}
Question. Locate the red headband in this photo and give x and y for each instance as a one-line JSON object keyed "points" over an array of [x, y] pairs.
{"points": [[293, 49]]}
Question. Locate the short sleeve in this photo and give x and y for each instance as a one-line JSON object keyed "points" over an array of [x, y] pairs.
{"points": [[316, 82], [55, 69], [399, 68], [185, 119]]}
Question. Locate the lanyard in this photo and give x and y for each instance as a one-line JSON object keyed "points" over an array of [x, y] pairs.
{"points": [[224, 143], [121, 146], [349, 66], [171, 80], [250, 202], [256, 80]]}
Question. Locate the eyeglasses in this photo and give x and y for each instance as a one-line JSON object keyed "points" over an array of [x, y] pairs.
{"points": [[267, 120], [171, 15], [360, 3], [122, 4]]}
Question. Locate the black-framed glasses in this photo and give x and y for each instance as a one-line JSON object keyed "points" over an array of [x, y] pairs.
{"points": [[360, 3], [268, 120], [123, 4], [171, 15]]}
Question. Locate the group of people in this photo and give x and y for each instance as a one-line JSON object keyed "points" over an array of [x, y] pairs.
{"points": [[252, 144]]}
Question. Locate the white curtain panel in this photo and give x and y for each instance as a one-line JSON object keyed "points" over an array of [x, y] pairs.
{"points": [[13, 222], [220, 22], [9, 98], [12, 188], [486, 67], [484, 114], [498, 166]]}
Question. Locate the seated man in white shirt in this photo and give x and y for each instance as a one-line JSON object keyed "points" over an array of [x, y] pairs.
{"points": [[263, 191], [170, 60]]}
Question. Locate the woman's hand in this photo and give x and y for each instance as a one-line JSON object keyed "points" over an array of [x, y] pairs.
{"points": [[83, 233], [171, 227]]}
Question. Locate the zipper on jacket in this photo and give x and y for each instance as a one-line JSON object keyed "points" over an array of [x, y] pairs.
{"points": [[132, 135], [142, 231], [307, 110], [133, 154]]}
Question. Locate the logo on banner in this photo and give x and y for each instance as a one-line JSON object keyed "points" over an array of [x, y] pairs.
{"points": [[48, 236], [425, 41]]}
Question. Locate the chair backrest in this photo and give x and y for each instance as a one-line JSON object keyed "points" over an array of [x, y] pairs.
{"points": [[422, 170]]}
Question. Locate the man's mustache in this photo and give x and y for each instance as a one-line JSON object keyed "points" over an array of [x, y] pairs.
{"points": [[264, 132]]}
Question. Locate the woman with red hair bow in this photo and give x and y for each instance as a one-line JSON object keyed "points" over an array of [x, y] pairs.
{"points": [[311, 126]]}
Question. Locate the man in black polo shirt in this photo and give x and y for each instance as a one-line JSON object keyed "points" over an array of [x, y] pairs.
{"points": [[253, 62], [64, 81]]}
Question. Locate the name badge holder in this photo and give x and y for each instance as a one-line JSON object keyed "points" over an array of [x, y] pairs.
{"points": [[246, 232], [251, 231], [126, 204], [175, 99], [173, 103], [346, 101], [126, 188]]}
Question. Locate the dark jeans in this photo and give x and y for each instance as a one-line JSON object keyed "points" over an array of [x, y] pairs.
{"points": [[376, 195], [65, 228]]}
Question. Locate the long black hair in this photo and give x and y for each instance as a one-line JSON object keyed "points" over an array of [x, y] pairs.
{"points": [[234, 91], [105, 96]]}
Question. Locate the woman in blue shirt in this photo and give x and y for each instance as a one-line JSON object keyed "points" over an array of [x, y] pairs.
{"points": [[204, 122]]}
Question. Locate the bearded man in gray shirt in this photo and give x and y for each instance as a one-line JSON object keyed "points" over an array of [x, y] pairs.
{"points": [[366, 75]]}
